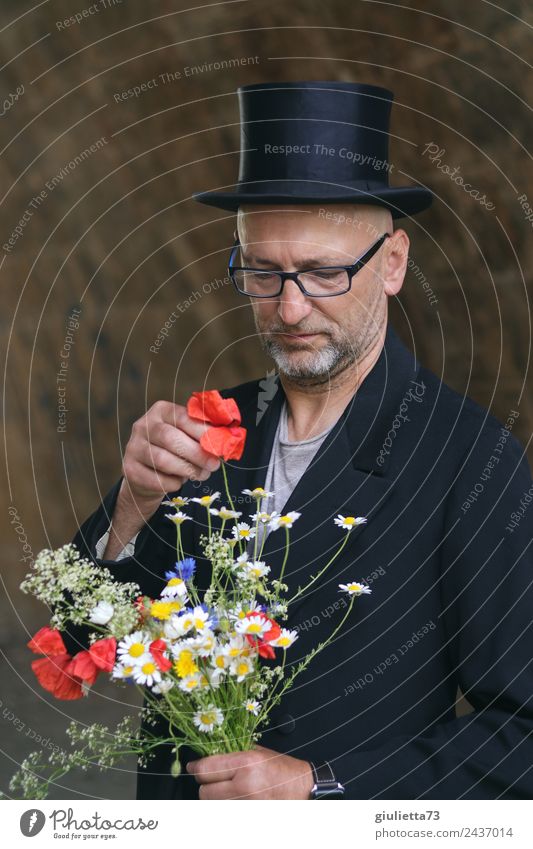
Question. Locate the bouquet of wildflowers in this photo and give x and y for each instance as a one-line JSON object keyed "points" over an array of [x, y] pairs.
{"points": [[200, 662]]}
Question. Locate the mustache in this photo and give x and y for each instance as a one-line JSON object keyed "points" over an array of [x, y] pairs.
{"points": [[279, 328]]}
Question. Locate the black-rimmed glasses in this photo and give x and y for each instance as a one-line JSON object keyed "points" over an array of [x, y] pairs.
{"points": [[324, 282]]}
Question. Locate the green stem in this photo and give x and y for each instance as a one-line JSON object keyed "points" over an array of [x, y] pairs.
{"points": [[302, 590]]}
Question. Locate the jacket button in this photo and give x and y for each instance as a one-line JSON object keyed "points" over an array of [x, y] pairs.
{"points": [[287, 723]]}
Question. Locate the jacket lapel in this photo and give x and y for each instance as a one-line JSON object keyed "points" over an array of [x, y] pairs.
{"points": [[344, 477]]}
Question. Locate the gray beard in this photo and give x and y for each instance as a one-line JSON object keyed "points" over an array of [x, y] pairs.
{"points": [[320, 366]]}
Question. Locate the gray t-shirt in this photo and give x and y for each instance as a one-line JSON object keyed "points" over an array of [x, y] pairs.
{"points": [[288, 462]]}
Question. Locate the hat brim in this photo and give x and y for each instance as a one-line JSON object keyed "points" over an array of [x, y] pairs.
{"points": [[400, 200]]}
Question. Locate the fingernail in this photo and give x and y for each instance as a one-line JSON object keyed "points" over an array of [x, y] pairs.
{"points": [[213, 464]]}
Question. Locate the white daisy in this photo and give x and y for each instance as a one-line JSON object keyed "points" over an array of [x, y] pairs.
{"points": [[182, 623], [243, 531], [256, 569], [196, 681], [256, 625], [241, 608], [147, 673], [208, 718], [177, 501], [252, 706], [263, 517], [164, 686], [203, 644], [214, 676], [241, 667], [237, 646], [286, 521], [178, 518], [285, 639], [349, 522], [224, 513], [258, 492], [220, 660], [133, 647], [355, 588], [121, 671], [101, 613], [206, 500], [201, 618], [175, 588]]}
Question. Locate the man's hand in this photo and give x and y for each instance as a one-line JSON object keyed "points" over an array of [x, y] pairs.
{"points": [[256, 774], [162, 453]]}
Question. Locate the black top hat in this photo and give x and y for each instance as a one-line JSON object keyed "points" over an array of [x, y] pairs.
{"points": [[316, 142]]}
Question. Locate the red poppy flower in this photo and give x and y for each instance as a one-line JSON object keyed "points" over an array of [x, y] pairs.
{"points": [[157, 647], [53, 675], [47, 641], [225, 438]]}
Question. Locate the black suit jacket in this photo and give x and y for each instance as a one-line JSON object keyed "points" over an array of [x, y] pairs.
{"points": [[451, 575]]}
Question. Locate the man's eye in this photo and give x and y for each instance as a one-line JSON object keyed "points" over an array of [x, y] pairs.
{"points": [[328, 275]]}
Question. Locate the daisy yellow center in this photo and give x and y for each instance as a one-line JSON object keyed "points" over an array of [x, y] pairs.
{"points": [[250, 706], [192, 684], [128, 670], [208, 717], [148, 668], [242, 668], [256, 571], [205, 499], [199, 624], [283, 641], [220, 662], [179, 502], [163, 609], [174, 582], [285, 520], [354, 586], [234, 652], [136, 649], [349, 520], [244, 532], [254, 628]]}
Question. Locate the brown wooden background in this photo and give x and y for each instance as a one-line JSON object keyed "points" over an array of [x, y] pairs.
{"points": [[120, 238]]}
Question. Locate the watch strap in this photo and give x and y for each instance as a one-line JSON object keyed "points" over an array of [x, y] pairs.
{"points": [[326, 785]]}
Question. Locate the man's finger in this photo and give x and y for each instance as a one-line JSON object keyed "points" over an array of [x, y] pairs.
{"points": [[217, 767], [217, 790]]}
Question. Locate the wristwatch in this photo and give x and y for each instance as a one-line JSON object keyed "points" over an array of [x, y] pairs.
{"points": [[326, 785]]}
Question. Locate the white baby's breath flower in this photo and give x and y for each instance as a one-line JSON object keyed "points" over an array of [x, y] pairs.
{"points": [[101, 613]]}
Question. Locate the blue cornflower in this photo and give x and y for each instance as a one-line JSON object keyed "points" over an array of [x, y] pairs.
{"points": [[184, 569]]}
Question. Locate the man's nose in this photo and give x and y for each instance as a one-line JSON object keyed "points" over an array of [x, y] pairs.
{"points": [[293, 304]]}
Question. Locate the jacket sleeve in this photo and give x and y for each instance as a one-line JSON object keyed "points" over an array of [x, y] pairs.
{"points": [[153, 554], [487, 608]]}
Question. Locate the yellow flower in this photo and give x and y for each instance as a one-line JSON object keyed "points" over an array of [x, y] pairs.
{"points": [[185, 665], [164, 609]]}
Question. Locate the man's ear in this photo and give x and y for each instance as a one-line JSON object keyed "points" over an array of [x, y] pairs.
{"points": [[395, 262]]}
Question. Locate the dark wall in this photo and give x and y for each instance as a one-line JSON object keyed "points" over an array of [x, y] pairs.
{"points": [[118, 237]]}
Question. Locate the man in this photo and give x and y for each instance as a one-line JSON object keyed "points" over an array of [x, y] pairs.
{"points": [[353, 425]]}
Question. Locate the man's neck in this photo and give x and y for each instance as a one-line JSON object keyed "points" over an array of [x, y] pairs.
{"points": [[311, 409]]}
